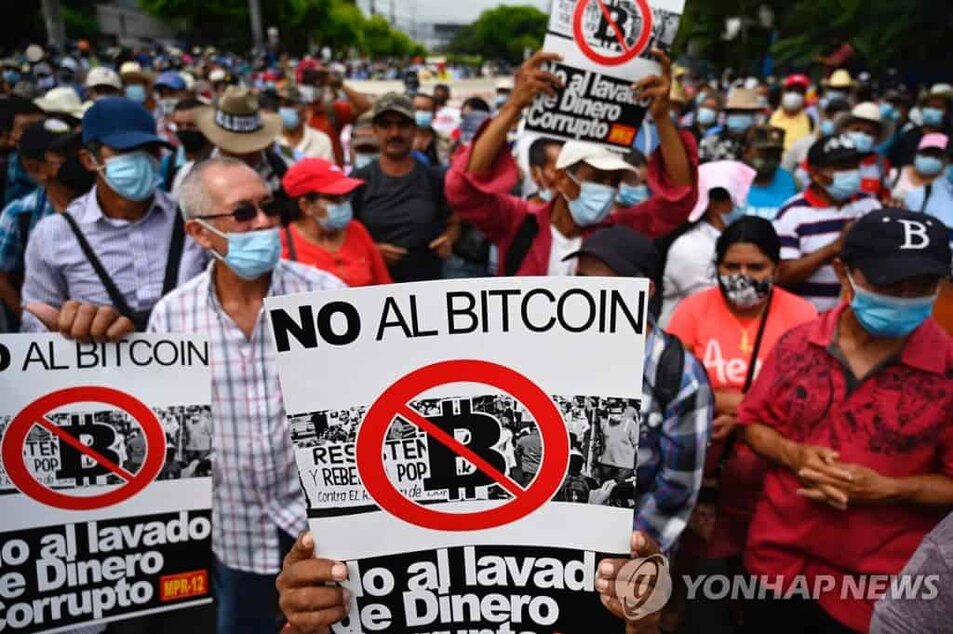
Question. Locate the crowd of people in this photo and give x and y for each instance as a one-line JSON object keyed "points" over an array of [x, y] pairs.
{"points": [[797, 406]]}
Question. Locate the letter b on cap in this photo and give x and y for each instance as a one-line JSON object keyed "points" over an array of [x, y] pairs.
{"points": [[915, 236]]}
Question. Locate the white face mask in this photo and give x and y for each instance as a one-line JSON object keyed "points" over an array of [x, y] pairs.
{"points": [[792, 101]]}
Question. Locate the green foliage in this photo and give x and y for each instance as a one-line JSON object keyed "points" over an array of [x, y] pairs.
{"points": [[502, 33], [303, 24]]}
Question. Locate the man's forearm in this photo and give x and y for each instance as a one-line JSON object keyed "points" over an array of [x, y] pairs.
{"points": [[359, 100], [925, 490], [771, 445], [793, 272], [9, 294], [674, 155]]}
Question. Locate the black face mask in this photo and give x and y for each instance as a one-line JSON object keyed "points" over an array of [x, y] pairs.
{"points": [[73, 175], [191, 140]]}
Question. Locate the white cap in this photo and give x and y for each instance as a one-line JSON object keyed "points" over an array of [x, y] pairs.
{"points": [[130, 68], [217, 75], [34, 53], [70, 63], [596, 156], [868, 111], [188, 79], [61, 99], [102, 76], [505, 84], [733, 176]]}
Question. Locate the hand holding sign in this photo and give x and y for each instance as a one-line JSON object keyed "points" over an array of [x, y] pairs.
{"points": [[656, 88], [308, 604], [609, 587], [531, 80], [83, 322]]}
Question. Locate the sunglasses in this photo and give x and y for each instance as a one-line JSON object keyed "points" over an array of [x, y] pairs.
{"points": [[247, 210]]}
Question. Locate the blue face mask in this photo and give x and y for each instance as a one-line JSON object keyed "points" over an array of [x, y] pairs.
{"points": [[827, 128], [134, 176], [739, 123], [862, 141], [423, 118], [735, 214], [546, 195], [933, 117], [180, 157], [594, 203], [928, 165], [632, 195], [363, 160], [949, 174], [706, 116], [136, 92], [289, 118], [845, 185], [338, 216], [886, 316], [250, 255], [12, 77], [889, 112], [833, 95]]}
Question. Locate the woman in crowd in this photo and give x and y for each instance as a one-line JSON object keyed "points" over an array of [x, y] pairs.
{"points": [[928, 165], [732, 329], [324, 233], [722, 197]]}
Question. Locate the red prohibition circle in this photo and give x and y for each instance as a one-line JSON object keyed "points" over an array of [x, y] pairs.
{"points": [[373, 433], [16, 435], [627, 53]]}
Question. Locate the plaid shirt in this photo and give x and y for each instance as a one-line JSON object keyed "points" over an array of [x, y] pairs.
{"points": [[720, 147], [12, 243], [255, 488], [671, 447]]}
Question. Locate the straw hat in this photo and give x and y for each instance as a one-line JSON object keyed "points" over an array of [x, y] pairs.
{"points": [[743, 99], [236, 124]]}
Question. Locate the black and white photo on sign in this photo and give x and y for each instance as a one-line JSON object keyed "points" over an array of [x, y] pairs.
{"points": [[604, 21], [114, 435], [603, 434]]}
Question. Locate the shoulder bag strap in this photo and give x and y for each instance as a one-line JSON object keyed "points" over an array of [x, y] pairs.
{"points": [[119, 302], [176, 247], [927, 192], [289, 238], [521, 244]]}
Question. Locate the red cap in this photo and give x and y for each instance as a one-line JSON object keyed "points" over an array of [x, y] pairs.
{"points": [[797, 80], [317, 176], [308, 63]]}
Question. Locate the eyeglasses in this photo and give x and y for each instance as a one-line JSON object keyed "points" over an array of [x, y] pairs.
{"points": [[247, 210]]}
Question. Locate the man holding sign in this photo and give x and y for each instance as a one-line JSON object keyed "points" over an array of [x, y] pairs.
{"points": [[533, 240]]}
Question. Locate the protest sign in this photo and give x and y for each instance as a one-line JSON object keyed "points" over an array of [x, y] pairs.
{"points": [[468, 448], [606, 47], [105, 479]]}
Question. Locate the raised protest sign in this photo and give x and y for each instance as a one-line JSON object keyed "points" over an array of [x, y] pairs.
{"points": [[105, 479], [468, 448], [605, 45]]}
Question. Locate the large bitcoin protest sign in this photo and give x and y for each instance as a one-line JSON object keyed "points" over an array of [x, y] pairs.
{"points": [[605, 45], [468, 448], [105, 479]]}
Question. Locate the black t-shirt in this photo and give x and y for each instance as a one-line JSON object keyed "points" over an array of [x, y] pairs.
{"points": [[406, 211]]}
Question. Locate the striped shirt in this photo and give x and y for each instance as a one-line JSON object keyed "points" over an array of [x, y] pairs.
{"points": [[672, 444], [134, 254], [807, 224], [255, 488]]}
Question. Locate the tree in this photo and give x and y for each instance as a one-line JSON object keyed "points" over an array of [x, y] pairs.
{"points": [[503, 33]]}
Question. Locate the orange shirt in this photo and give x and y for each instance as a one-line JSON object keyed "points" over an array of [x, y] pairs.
{"points": [[343, 114], [707, 327], [357, 262]]}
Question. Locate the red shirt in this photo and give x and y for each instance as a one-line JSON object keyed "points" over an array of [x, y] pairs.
{"points": [[898, 421], [322, 119], [357, 262], [483, 200]]}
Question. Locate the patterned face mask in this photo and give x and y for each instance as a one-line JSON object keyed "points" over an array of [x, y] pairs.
{"points": [[744, 291]]}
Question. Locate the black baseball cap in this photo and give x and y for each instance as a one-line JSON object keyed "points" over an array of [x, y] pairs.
{"points": [[892, 245], [832, 150], [42, 136], [626, 252]]}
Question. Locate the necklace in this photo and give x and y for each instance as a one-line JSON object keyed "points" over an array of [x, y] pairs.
{"points": [[747, 346]]}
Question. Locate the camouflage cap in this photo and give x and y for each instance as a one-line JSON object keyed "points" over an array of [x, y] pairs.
{"points": [[394, 102], [766, 137]]}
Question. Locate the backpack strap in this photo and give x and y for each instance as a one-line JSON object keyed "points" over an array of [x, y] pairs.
{"points": [[276, 163], [176, 247], [118, 301], [520, 246], [292, 252], [668, 372]]}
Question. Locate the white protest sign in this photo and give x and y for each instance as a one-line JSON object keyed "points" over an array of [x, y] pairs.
{"points": [[467, 447], [105, 479], [606, 46]]}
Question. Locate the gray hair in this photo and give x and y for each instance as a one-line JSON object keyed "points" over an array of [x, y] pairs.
{"points": [[194, 196]]}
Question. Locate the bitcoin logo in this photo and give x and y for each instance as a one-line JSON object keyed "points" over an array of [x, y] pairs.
{"points": [[97, 436]]}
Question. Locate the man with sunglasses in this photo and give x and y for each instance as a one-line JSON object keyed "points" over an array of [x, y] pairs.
{"points": [[257, 504], [402, 203], [97, 269]]}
